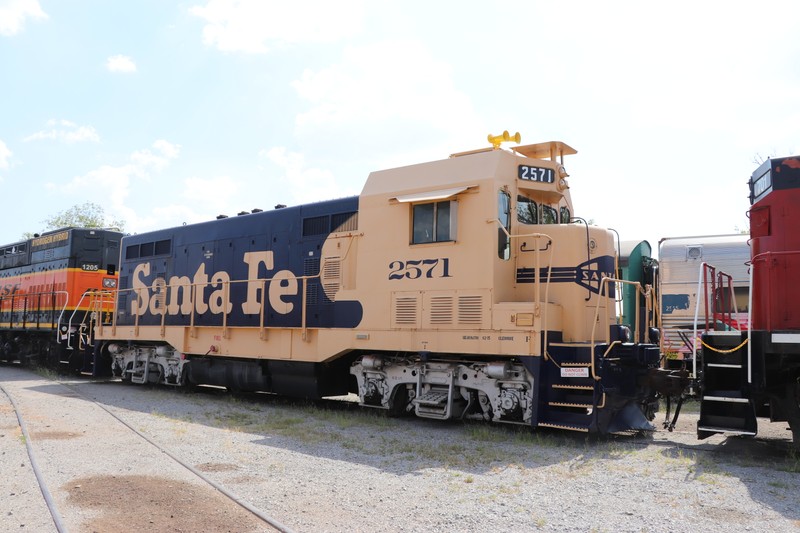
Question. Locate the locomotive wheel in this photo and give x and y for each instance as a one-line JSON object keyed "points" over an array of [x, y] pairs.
{"points": [[48, 355], [186, 380], [397, 407]]}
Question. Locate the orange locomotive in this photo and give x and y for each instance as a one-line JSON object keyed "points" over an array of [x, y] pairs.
{"points": [[45, 284]]}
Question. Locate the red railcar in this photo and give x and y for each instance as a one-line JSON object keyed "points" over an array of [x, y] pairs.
{"points": [[45, 283], [757, 372], [775, 244]]}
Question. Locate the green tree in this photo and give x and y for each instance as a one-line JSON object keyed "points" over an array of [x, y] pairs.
{"points": [[86, 215]]}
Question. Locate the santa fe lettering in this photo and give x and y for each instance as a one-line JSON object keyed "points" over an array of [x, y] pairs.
{"points": [[176, 297]]}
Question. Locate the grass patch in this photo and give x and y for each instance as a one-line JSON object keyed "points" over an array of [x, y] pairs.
{"points": [[793, 462], [779, 485], [46, 373]]}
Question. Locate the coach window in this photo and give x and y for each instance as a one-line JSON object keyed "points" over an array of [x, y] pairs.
{"points": [[504, 216], [434, 222]]}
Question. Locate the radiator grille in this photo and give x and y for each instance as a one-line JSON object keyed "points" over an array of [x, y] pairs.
{"points": [[312, 292], [344, 221], [310, 266]]}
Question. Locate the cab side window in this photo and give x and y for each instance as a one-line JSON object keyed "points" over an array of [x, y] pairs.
{"points": [[434, 222], [504, 216]]}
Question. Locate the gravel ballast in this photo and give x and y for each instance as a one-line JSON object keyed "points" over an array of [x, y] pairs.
{"points": [[319, 467]]}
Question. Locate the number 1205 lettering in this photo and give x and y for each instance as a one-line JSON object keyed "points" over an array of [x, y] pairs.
{"points": [[414, 269]]}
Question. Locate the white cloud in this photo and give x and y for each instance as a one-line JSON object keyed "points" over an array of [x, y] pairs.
{"points": [[65, 131], [112, 184], [144, 159], [218, 190], [120, 63], [167, 148], [201, 199], [5, 155], [397, 80], [256, 26], [13, 14], [397, 88], [205, 198], [306, 184]]}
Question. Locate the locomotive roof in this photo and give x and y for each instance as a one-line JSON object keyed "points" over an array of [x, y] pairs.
{"points": [[464, 168], [246, 223], [54, 231], [549, 149]]}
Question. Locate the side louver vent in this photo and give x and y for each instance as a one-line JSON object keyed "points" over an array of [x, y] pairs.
{"points": [[470, 309], [311, 268], [441, 310], [159, 299], [332, 277], [406, 311], [312, 293]]}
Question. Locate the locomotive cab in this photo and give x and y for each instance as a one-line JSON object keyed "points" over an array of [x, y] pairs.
{"points": [[516, 285]]}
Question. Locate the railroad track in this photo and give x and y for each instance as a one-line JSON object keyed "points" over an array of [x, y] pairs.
{"points": [[42, 465]]}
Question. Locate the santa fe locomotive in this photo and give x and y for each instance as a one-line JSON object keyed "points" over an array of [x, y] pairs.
{"points": [[47, 284], [756, 371], [459, 288]]}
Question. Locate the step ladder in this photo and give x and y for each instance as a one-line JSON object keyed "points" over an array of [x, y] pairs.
{"points": [[140, 372], [437, 399], [726, 403], [569, 396]]}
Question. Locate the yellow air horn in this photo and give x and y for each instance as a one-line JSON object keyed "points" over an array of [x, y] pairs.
{"points": [[503, 137]]}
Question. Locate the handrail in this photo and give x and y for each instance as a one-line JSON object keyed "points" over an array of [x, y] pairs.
{"points": [[702, 283], [618, 304], [161, 292], [750, 322], [263, 327], [537, 268], [647, 292], [91, 307], [69, 322], [717, 279], [696, 312], [14, 300], [109, 304]]}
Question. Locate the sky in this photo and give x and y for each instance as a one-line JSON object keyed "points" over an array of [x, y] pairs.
{"points": [[171, 112]]}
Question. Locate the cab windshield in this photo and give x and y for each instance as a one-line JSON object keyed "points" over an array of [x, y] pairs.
{"points": [[529, 211]]}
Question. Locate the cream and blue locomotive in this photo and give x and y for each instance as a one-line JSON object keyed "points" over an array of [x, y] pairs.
{"points": [[459, 288]]}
